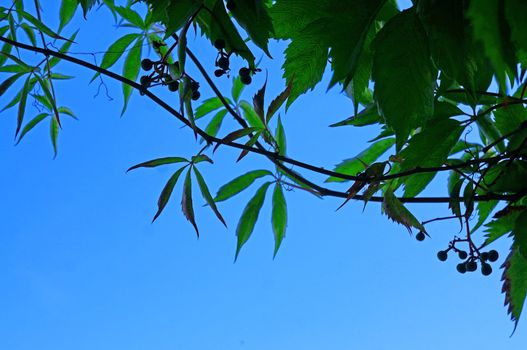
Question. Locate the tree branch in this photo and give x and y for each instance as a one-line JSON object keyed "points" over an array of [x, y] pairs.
{"points": [[275, 156]]}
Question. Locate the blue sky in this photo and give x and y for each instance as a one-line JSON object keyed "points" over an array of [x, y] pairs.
{"points": [[83, 268]]}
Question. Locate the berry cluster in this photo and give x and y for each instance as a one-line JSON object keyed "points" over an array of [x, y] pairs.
{"points": [[470, 261], [223, 64], [161, 76]]}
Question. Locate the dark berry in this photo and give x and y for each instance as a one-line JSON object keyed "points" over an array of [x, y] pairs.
{"points": [[462, 254], [486, 269], [223, 63], [219, 72], [493, 255], [219, 44], [147, 64], [461, 268], [246, 79], [472, 266], [484, 256], [173, 86], [231, 5], [196, 95], [145, 80], [194, 86], [244, 72], [442, 255], [420, 236]]}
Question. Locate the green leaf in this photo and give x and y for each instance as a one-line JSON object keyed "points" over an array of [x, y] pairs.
{"points": [[252, 16], [115, 51], [167, 192], [250, 115], [201, 158], [484, 210], [239, 184], [454, 189], [132, 64], [396, 211], [405, 95], [208, 106], [41, 26], [157, 162], [53, 61], [280, 137], [29, 33], [355, 165], [32, 123], [67, 11], [215, 123], [491, 28], [6, 84], [278, 102], [305, 69], [207, 196], [452, 44], [515, 11], [87, 5], [520, 233], [424, 150], [235, 135], [131, 16], [22, 105], [279, 217], [501, 226], [237, 88], [174, 14], [217, 24], [249, 216], [515, 283], [54, 133], [510, 118], [249, 143], [367, 116], [186, 202]]}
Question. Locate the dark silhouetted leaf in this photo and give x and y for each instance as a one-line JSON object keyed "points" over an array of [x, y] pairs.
{"points": [[405, 95]]}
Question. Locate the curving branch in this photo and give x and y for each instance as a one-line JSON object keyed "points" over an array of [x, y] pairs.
{"points": [[275, 157]]}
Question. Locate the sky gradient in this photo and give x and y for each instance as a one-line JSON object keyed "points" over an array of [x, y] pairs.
{"points": [[83, 268]]}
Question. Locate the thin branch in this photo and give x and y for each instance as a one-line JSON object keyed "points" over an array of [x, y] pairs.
{"points": [[210, 139]]}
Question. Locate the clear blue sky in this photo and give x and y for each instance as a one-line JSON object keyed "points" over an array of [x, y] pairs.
{"points": [[82, 268]]}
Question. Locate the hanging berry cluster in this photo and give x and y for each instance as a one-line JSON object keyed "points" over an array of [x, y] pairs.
{"points": [[166, 74], [223, 64], [470, 260]]}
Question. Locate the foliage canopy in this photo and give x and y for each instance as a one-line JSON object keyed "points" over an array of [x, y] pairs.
{"points": [[444, 81]]}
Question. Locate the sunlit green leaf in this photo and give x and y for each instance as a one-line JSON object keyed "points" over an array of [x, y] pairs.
{"points": [[239, 184], [132, 64], [207, 196], [186, 202], [167, 192], [159, 161], [279, 216], [67, 11], [249, 217]]}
